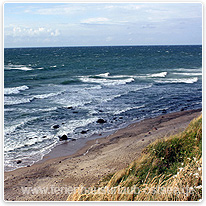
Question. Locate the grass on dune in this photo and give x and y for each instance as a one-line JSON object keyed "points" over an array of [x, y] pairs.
{"points": [[169, 169]]}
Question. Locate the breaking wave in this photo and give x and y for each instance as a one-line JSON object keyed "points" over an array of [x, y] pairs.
{"points": [[19, 67], [13, 100], [161, 74], [103, 75], [107, 82], [188, 70], [15, 90], [187, 81], [189, 74], [44, 96]]}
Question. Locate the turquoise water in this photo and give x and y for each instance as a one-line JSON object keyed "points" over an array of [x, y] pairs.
{"points": [[119, 84]]}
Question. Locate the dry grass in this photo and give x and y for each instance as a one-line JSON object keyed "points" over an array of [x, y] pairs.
{"points": [[168, 170]]}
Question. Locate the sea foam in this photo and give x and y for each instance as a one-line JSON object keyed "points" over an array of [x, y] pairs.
{"points": [[10, 100], [9, 130], [15, 90], [183, 80], [189, 74], [161, 74], [107, 82], [44, 96], [19, 67], [103, 75], [188, 70]]}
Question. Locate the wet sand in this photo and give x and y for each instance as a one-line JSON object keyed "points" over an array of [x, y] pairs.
{"points": [[97, 158]]}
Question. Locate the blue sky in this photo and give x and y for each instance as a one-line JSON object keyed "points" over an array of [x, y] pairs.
{"points": [[101, 24]]}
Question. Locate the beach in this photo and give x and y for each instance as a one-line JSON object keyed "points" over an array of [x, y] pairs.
{"points": [[97, 158]]}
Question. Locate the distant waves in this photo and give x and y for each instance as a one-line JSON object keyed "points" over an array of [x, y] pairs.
{"points": [[105, 79], [182, 80], [20, 67]]}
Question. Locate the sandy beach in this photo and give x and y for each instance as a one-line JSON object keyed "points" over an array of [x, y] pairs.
{"points": [[97, 158]]}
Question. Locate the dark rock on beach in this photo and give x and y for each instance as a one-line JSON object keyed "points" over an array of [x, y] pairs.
{"points": [[69, 107], [84, 131], [56, 126], [63, 137], [72, 139], [18, 162], [101, 121], [164, 111]]}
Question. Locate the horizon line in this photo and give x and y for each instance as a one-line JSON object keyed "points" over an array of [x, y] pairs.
{"points": [[27, 47]]}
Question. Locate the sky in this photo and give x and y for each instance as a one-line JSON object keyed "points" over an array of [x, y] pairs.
{"points": [[101, 24]]}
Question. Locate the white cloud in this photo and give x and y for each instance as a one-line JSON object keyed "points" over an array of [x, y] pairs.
{"points": [[103, 20], [27, 11], [98, 20], [109, 38], [56, 10], [41, 29], [124, 7], [55, 33], [19, 31], [70, 8]]}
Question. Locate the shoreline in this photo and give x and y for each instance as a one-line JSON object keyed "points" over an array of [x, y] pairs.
{"points": [[82, 145], [98, 157]]}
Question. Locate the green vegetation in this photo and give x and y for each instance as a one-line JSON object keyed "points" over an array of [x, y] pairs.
{"points": [[173, 162]]}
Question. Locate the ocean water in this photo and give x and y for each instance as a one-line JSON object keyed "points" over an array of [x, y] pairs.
{"points": [[118, 84]]}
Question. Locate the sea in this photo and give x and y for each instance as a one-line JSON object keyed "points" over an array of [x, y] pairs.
{"points": [[73, 87]]}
